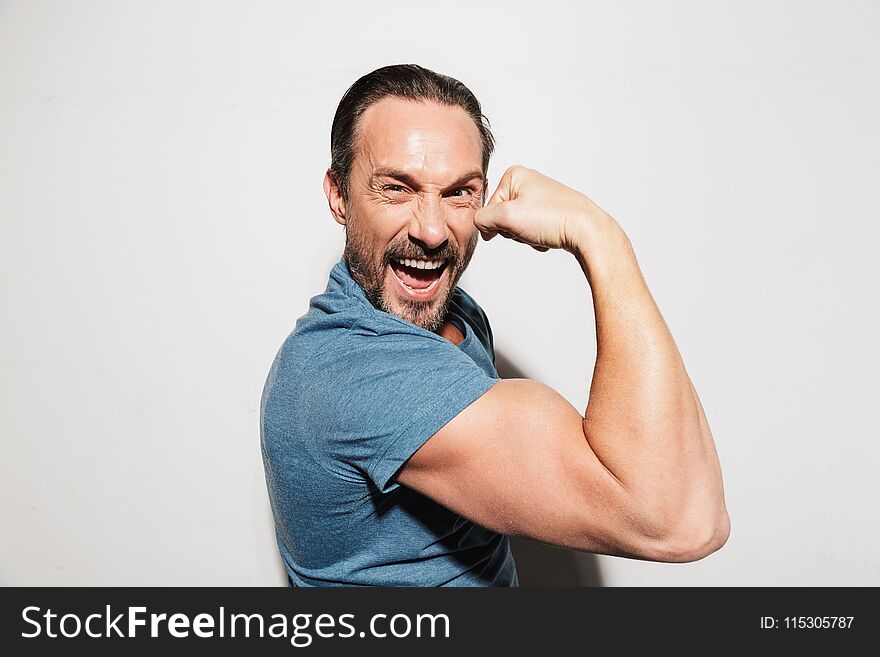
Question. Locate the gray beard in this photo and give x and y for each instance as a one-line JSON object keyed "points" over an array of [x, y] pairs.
{"points": [[369, 272]]}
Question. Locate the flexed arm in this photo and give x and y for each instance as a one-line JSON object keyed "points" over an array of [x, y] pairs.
{"points": [[637, 474]]}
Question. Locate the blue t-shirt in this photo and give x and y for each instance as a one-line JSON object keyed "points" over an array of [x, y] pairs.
{"points": [[352, 394]]}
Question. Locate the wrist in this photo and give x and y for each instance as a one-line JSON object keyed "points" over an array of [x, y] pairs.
{"points": [[605, 253], [593, 235]]}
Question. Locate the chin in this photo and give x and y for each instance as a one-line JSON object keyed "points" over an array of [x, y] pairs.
{"points": [[429, 314]]}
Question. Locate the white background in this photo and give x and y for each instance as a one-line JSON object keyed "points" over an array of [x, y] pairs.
{"points": [[163, 226]]}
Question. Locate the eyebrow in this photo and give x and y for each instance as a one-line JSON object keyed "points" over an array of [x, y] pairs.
{"points": [[406, 179]]}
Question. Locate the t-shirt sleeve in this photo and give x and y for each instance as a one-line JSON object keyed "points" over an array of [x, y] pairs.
{"points": [[479, 321], [374, 399]]}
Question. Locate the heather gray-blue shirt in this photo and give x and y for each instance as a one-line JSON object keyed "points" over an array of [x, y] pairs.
{"points": [[352, 394]]}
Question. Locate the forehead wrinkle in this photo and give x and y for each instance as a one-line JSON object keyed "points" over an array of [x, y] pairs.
{"points": [[429, 167], [426, 140]]}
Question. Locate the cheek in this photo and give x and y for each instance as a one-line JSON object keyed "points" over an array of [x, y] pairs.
{"points": [[382, 224]]}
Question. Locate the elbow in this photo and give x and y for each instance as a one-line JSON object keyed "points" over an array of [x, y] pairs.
{"points": [[690, 539], [683, 535]]}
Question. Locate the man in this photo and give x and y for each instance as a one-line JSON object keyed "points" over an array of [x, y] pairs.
{"points": [[394, 454]]}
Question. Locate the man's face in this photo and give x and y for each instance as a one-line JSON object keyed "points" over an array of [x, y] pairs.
{"points": [[415, 183]]}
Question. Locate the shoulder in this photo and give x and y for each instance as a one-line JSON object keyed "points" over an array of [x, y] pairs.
{"points": [[357, 348]]}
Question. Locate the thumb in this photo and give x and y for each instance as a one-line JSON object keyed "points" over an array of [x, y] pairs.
{"points": [[504, 191], [489, 217], [492, 217]]}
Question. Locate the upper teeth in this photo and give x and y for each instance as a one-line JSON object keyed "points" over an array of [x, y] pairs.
{"points": [[420, 264]]}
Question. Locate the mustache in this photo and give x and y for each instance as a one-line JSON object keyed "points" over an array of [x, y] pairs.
{"points": [[451, 256]]}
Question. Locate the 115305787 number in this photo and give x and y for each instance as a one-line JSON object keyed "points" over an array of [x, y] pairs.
{"points": [[817, 622]]}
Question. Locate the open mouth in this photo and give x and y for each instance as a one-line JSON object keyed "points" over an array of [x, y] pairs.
{"points": [[418, 278]]}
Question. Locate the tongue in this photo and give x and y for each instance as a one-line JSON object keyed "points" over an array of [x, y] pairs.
{"points": [[418, 279]]}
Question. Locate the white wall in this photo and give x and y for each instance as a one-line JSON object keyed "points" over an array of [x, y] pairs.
{"points": [[163, 226]]}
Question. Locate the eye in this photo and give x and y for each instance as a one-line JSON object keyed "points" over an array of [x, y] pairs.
{"points": [[392, 188], [467, 192]]}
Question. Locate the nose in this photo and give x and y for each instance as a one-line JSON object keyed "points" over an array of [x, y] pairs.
{"points": [[428, 224]]}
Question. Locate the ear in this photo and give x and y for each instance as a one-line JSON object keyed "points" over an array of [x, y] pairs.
{"points": [[334, 196]]}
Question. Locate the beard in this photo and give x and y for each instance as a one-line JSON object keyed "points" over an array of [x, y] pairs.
{"points": [[368, 269]]}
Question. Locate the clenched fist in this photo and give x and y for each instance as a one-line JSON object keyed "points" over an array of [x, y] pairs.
{"points": [[531, 208]]}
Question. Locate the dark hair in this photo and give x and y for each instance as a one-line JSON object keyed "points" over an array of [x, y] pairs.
{"points": [[403, 81]]}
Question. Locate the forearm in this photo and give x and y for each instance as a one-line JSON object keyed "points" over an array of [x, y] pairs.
{"points": [[643, 419]]}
